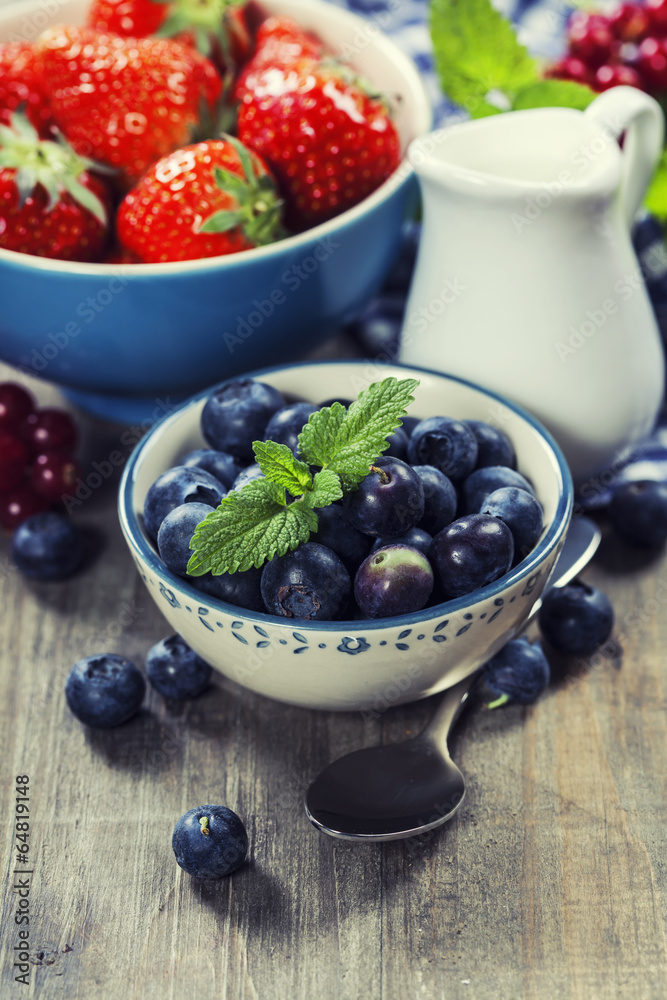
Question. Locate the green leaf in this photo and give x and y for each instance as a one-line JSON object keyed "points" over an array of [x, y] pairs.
{"points": [[656, 197], [553, 94], [348, 441], [221, 222], [326, 489], [250, 526], [279, 465], [476, 51]]}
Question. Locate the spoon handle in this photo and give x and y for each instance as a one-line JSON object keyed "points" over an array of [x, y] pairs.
{"points": [[582, 540], [447, 712]]}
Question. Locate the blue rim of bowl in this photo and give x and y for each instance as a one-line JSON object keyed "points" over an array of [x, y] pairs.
{"points": [[138, 542]]}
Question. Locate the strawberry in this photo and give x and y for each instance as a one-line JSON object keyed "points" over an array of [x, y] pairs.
{"points": [[280, 42], [50, 203], [123, 101], [206, 200], [217, 28], [328, 142], [22, 85]]}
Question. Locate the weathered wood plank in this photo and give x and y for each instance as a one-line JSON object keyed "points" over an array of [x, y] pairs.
{"points": [[551, 881]]}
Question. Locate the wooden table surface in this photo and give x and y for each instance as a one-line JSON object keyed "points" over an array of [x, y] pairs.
{"points": [[550, 882]]}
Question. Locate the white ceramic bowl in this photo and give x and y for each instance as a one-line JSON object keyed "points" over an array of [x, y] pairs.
{"points": [[354, 665]]}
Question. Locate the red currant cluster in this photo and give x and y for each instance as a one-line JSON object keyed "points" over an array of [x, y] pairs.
{"points": [[36, 462], [627, 46]]}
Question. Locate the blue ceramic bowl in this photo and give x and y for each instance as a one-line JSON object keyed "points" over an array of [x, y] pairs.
{"points": [[121, 339], [354, 665]]}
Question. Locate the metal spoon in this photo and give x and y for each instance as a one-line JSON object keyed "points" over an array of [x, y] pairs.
{"points": [[404, 789]]}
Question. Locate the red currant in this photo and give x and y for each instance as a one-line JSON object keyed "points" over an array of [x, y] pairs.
{"points": [[15, 405], [49, 429], [19, 504], [54, 474], [656, 11], [591, 39], [651, 63], [629, 23], [13, 461], [570, 68], [616, 76]]}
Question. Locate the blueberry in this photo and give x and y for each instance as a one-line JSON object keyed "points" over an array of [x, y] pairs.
{"points": [[416, 538], [398, 445], [519, 672], [47, 547], [481, 482], [178, 486], [493, 445], [576, 618], [220, 464], [522, 513], [247, 475], [395, 580], [287, 423], [210, 842], [104, 690], [235, 415], [240, 589], [335, 531], [638, 512], [471, 552], [646, 232], [173, 538], [335, 399], [440, 499], [388, 502], [408, 424], [400, 276], [175, 670], [310, 583], [447, 444], [378, 327]]}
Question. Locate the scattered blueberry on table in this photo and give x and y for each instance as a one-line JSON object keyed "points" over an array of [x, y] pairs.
{"points": [[175, 670], [47, 546], [518, 672], [638, 512], [576, 618], [210, 842], [105, 690]]}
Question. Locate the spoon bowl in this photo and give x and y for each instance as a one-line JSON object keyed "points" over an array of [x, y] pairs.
{"points": [[404, 789]]}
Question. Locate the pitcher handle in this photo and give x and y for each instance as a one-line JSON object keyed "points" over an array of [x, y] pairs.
{"points": [[631, 111]]}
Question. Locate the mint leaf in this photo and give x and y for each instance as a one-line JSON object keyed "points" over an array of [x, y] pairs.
{"points": [[348, 441], [656, 197], [251, 525], [553, 94], [476, 52], [279, 464], [326, 489]]}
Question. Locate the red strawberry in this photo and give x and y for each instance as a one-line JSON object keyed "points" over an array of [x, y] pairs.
{"points": [[206, 200], [328, 142], [280, 43], [214, 27], [22, 86], [123, 101], [50, 205]]}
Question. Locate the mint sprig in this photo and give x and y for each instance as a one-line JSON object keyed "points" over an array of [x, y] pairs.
{"points": [[348, 441], [483, 67], [275, 514]]}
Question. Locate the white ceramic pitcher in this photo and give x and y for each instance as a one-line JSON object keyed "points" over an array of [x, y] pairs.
{"points": [[526, 278]]}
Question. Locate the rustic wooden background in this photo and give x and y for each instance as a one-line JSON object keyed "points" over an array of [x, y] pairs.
{"points": [[551, 882]]}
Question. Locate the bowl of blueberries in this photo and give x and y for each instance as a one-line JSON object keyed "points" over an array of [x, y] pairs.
{"points": [[346, 535]]}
